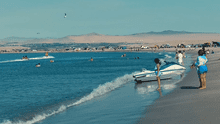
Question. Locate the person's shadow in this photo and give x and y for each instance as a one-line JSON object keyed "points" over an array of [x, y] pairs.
{"points": [[188, 87]]}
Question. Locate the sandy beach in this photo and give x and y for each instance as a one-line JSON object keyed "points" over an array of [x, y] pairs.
{"points": [[187, 104]]}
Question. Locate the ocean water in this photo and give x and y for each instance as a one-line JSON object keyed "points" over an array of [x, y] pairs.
{"points": [[76, 90]]}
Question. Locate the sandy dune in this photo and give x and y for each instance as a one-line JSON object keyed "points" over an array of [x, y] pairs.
{"points": [[137, 40]]}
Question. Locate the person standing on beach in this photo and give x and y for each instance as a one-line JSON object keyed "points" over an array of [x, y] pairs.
{"points": [[201, 68], [205, 52], [157, 71], [180, 58], [213, 52], [184, 53], [184, 56], [176, 55]]}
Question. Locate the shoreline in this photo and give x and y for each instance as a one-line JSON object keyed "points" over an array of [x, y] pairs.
{"points": [[125, 50], [187, 104]]}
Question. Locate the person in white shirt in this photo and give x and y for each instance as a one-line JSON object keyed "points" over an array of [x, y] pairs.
{"points": [[180, 58]]}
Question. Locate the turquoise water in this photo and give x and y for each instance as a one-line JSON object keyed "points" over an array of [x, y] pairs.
{"points": [[76, 90]]}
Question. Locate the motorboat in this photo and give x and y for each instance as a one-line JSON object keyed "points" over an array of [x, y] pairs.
{"points": [[38, 65], [25, 58], [169, 70]]}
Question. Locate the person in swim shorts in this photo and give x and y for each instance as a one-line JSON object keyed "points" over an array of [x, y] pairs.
{"points": [[157, 71], [201, 68]]}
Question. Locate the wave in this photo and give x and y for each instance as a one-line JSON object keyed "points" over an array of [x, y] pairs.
{"points": [[37, 117], [36, 58], [103, 89], [152, 88], [99, 91]]}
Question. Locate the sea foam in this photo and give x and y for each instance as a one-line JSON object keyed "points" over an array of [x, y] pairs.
{"points": [[99, 91]]}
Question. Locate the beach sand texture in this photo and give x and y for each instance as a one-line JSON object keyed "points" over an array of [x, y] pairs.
{"points": [[187, 104]]}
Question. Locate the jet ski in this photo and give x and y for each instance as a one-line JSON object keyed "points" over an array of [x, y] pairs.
{"points": [[37, 65], [25, 58], [169, 70]]}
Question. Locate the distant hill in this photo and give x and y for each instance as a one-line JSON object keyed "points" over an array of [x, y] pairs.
{"points": [[90, 34], [88, 38], [167, 32], [16, 39]]}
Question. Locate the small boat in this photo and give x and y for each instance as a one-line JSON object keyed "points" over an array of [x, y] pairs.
{"points": [[25, 58], [169, 70], [51, 61], [124, 55], [38, 65]]}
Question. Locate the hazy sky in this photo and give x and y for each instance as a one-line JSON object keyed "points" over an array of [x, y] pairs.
{"points": [[25, 18]]}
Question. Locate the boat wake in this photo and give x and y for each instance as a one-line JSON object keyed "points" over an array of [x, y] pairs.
{"points": [[99, 91], [19, 60]]}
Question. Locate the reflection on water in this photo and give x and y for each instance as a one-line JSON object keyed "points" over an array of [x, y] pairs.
{"points": [[169, 86], [160, 92], [146, 88]]}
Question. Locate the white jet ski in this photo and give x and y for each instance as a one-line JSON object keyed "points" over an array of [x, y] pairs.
{"points": [[169, 70]]}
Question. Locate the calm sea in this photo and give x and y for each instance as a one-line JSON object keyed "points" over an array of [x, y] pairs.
{"points": [[74, 90]]}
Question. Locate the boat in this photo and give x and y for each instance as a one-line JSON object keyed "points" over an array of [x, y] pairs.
{"points": [[25, 58], [38, 65], [169, 70], [51, 60]]}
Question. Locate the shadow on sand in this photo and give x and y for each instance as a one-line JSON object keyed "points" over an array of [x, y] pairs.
{"points": [[140, 82], [188, 87]]}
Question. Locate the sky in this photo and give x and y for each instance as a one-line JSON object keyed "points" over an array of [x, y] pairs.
{"points": [[26, 18]]}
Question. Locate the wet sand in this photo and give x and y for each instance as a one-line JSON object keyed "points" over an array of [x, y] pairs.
{"points": [[187, 104]]}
